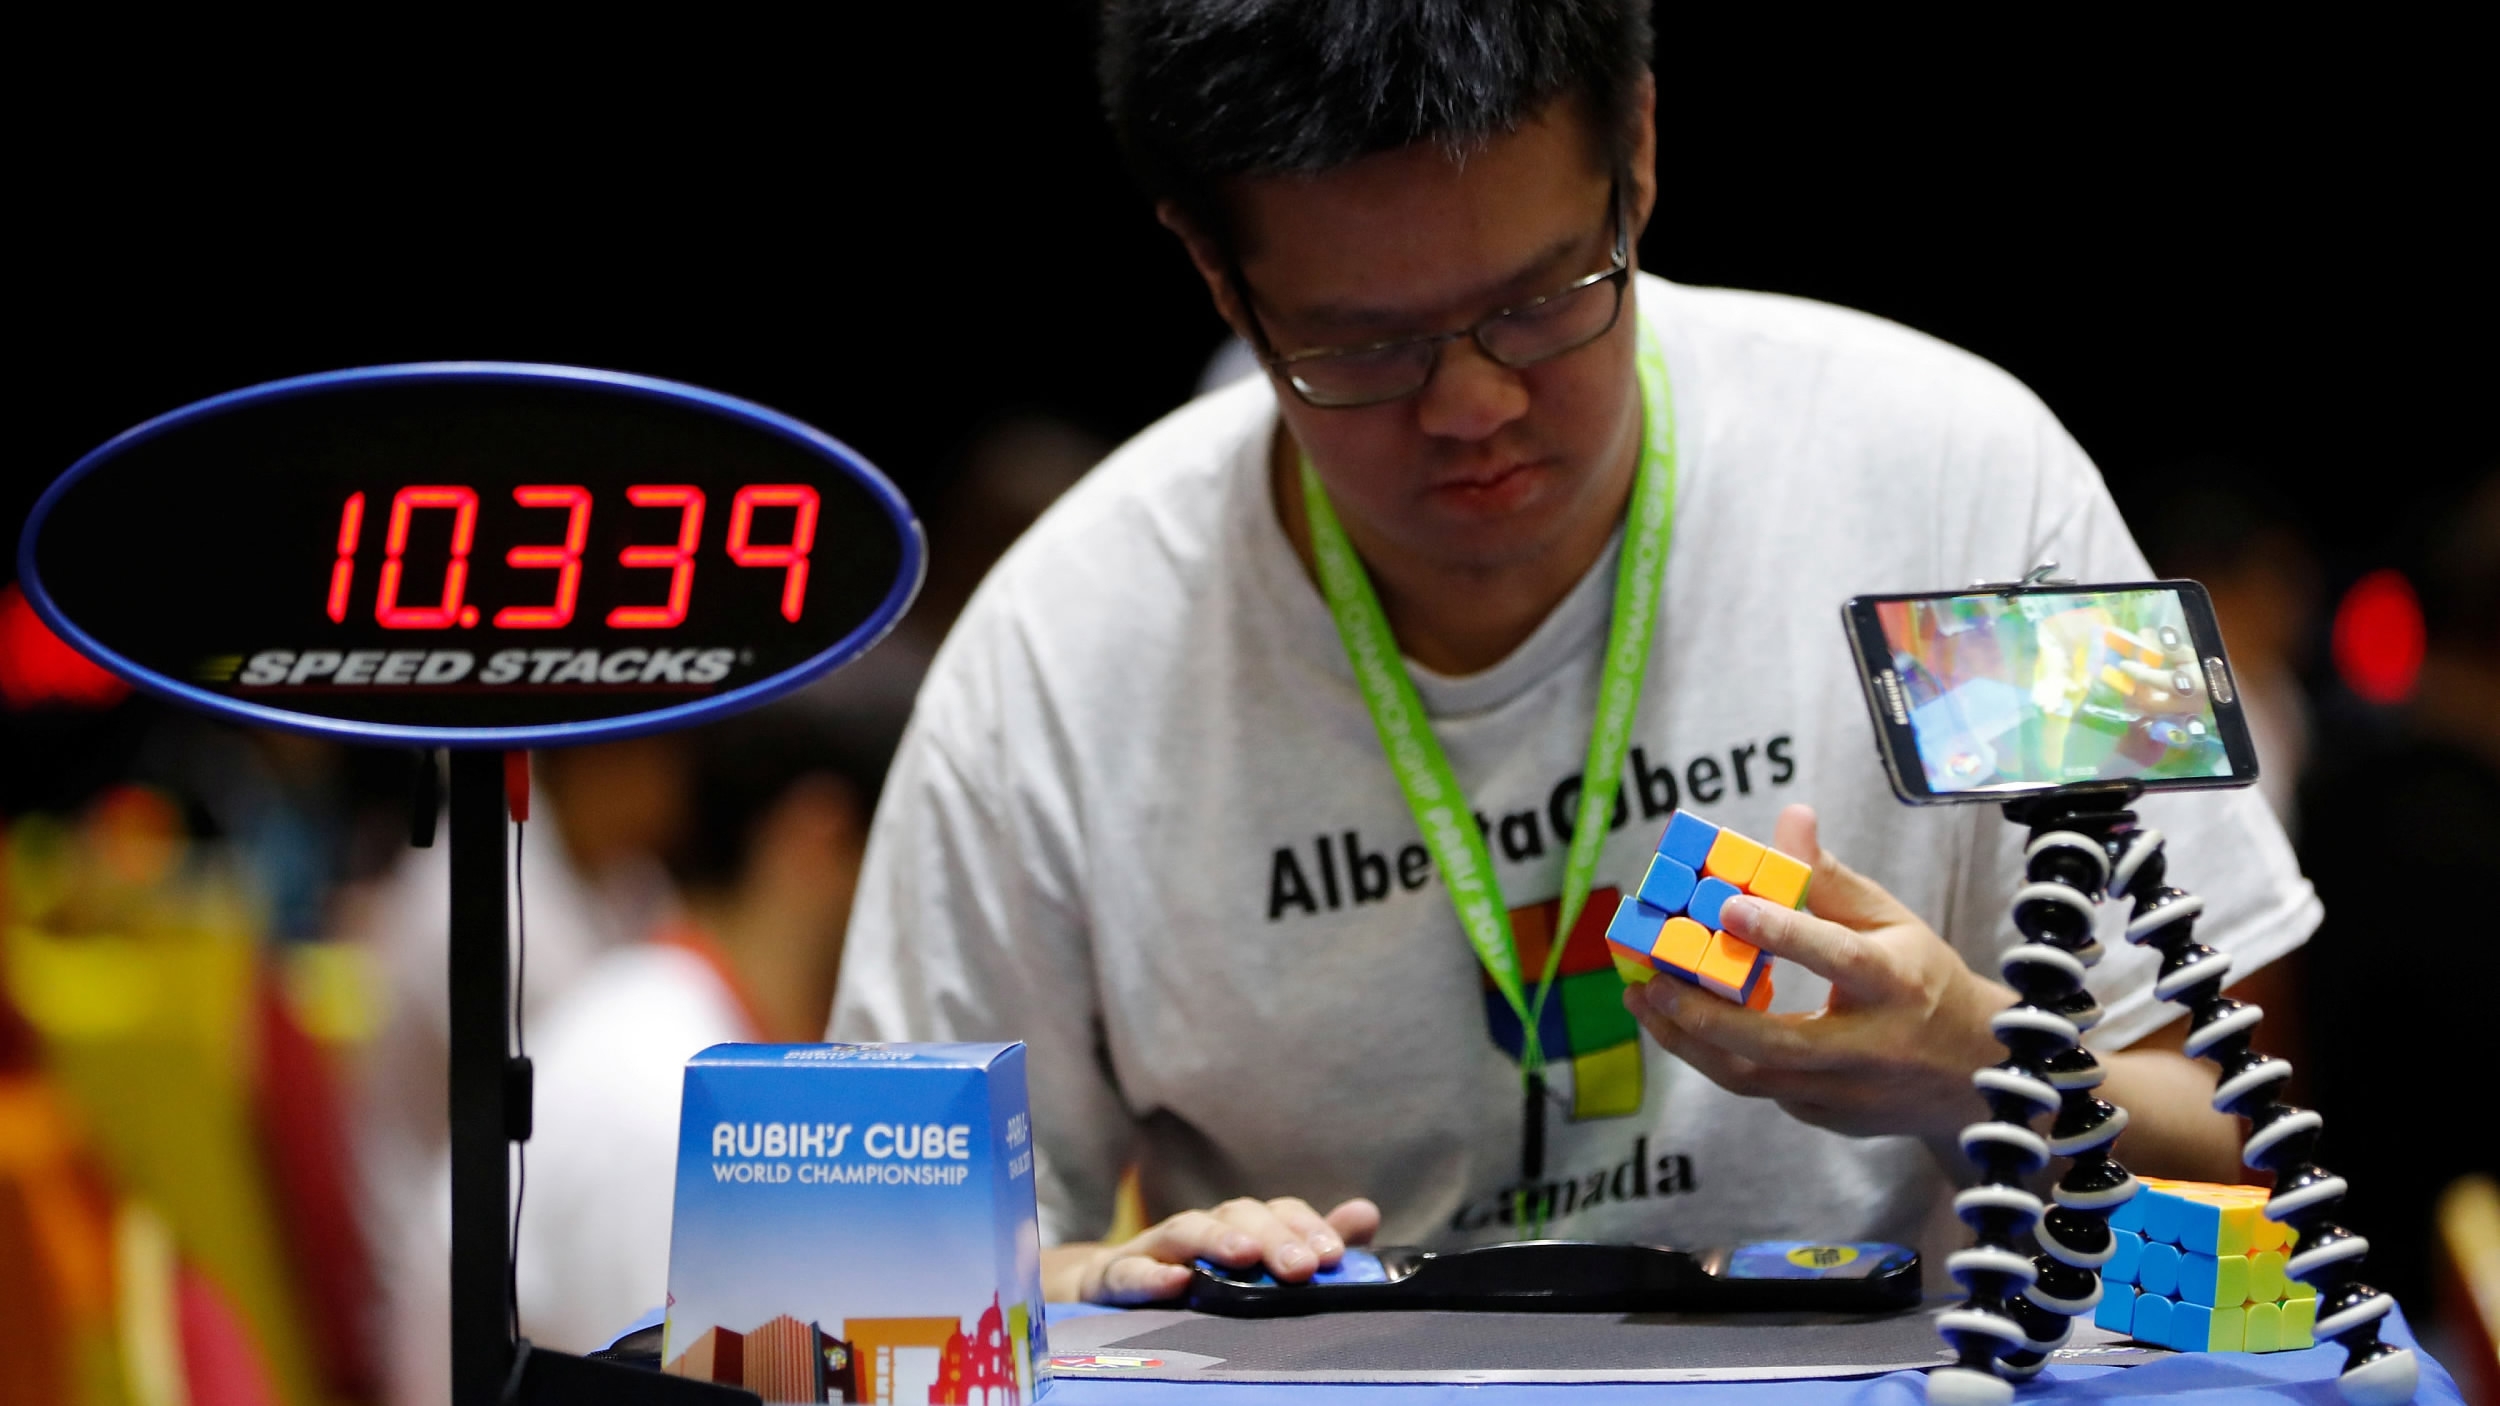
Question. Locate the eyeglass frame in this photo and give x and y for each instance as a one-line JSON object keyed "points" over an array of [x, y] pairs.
{"points": [[1619, 274]]}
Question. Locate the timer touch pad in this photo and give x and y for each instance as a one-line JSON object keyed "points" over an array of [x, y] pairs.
{"points": [[483, 553]]}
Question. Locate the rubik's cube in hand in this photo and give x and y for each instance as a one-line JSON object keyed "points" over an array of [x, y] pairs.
{"points": [[2199, 1268], [1671, 924]]}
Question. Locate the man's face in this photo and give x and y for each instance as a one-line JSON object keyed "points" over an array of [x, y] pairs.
{"points": [[1485, 466]]}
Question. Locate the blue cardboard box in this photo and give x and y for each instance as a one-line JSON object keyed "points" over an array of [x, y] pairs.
{"points": [[857, 1223]]}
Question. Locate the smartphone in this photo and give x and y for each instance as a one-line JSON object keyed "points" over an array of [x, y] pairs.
{"points": [[2001, 692]]}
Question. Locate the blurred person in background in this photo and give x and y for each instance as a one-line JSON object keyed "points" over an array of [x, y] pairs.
{"points": [[296, 811], [592, 875], [1008, 473], [765, 869], [168, 1047], [2401, 832], [1011, 472], [2236, 538]]}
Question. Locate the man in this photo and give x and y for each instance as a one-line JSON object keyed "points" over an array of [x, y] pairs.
{"points": [[1143, 817]]}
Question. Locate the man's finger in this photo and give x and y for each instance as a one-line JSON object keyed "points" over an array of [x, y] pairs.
{"points": [[1851, 961], [1733, 1073], [1288, 1255], [1299, 1217], [1356, 1221], [1849, 898], [1767, 1041], [1196, 1235], [1795, 833], [1131, 1279]]}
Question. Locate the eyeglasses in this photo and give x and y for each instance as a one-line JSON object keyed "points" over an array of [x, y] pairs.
{"points": [[1342, 378]]}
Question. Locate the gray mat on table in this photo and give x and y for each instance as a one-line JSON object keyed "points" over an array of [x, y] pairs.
{"points": [[1167, 1345]]}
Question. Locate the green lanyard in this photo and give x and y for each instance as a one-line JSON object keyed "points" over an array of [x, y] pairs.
{"points": [[1423, 770]]}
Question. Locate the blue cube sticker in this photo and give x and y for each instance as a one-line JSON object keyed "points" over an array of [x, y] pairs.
{"points": [[1688, 840], [1668, 885]]}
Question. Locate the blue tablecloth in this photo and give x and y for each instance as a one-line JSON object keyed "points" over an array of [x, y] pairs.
{"points": [[2207, 1379]]}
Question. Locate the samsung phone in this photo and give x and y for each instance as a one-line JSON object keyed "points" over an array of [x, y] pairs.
{"points": [[2000, 692]]}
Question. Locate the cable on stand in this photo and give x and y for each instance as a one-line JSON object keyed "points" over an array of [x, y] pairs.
{"points": [[2082, 844]]}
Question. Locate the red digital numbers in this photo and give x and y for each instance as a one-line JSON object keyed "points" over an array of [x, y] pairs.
{"points": [[791, 555], [404, 505], [343, 575], [678, 560], [565, 561], [676, 557]]}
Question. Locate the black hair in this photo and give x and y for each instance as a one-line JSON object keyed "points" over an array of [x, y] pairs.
{"points": [[742, 768], [1202, 91]]}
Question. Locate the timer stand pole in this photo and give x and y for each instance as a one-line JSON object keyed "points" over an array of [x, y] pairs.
{"points": [[481, 1015], [490, 1110]]}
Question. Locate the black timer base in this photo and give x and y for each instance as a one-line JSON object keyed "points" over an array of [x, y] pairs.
{"points": [[1562, 1276], [543, 1378]]}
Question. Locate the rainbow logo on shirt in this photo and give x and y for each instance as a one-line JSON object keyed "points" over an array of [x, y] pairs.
{"points": [[1584, 1020]]}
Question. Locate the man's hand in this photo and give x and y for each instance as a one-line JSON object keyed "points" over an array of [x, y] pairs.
{"points": [[1286, 1235], [1893, 1049]]}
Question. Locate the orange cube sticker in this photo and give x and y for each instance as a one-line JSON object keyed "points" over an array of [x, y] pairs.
{"points": [[1781, 879], [1728, 966], [1682, 944], [1734, 858]]}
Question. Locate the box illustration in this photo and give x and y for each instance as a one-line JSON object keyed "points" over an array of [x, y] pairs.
{"points": [[857, 1223]]}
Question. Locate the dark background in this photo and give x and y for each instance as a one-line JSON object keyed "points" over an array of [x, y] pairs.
{"points": [[2260, 246]]}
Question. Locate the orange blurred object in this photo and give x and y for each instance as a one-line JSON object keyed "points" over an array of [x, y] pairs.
{"points": [[56, 1247], [137, 833]]}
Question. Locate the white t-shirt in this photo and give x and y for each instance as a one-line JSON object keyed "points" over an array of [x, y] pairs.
{"points": [[610, 1065], [1141, 819]]}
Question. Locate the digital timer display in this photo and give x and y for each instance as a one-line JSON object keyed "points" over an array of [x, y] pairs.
{"points": [[564, 558], [505, 555]]}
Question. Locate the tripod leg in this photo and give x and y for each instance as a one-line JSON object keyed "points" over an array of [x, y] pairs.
{"points": [[2282, 1139], [2022, 1306]]}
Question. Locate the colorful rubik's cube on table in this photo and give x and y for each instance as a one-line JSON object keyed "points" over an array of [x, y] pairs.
{"points": [[1671, 924], [2199, 1268]]}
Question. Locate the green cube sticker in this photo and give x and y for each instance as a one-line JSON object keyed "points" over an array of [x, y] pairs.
{"points": [[1593, 1011]]}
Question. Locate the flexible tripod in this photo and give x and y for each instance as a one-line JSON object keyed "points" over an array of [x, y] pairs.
{"points": [[2084, 844]]}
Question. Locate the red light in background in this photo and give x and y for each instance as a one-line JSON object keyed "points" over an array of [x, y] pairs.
{"points": [[38, 667], [2379, 637]]}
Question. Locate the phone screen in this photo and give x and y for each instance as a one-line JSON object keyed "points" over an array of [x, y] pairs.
{"points": [[2023, 690]]}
